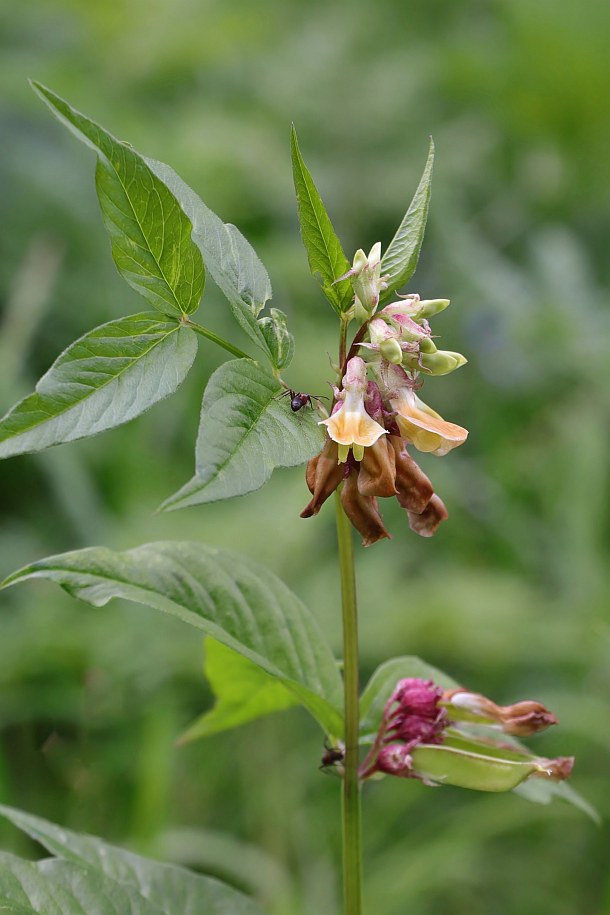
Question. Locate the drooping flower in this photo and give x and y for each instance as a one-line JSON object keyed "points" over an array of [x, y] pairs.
{"points": [[418, 422], [519, 720], [350, 425], [362, 510]]}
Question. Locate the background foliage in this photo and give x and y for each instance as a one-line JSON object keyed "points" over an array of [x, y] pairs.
{"points": [[511, 597]]}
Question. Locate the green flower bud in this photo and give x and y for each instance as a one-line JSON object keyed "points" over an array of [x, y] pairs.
{"points": [[391, 351], [441, 362], [430, 307], [427, 345]]}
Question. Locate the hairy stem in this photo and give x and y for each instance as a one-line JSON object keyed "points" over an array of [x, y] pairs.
{"points": [[352, 831], [220, 341]]}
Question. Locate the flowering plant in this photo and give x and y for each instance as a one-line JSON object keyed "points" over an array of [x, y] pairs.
{"points": [[410, 721]]}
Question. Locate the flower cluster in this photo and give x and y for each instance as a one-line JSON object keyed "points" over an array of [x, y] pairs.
{"points": [[377, 412], [412, 716], [422, 718]]}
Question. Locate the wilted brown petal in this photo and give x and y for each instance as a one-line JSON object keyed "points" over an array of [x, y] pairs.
{"points": [[323, 475], [557, 769], [520, 719], [378, 470], [414, 489], [524, 718], [362, 511], [426, 523]]}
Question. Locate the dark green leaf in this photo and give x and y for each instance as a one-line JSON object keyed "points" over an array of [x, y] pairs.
{"points": [[324, 251], [150, 233], [106, 378], [229, 257], [383, 681], [244, 434], [139, 885], [243, 693], [400, 259], [233, 599]]}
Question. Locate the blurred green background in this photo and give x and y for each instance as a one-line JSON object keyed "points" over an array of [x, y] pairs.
{"points": [[511, 597]]}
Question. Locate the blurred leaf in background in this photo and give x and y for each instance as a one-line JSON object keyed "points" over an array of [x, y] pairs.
{"points": [[512, 597]]}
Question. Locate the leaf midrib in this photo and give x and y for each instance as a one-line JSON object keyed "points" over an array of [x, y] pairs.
{"points": [[135, 215], [322, 235], [93, 390], [248, 431]]}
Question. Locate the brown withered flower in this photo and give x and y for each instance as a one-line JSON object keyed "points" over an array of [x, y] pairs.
{"points": [[366, 452]]}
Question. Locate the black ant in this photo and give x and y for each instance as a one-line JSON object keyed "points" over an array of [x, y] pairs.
{"points": [[332, 756], [298, 400]]}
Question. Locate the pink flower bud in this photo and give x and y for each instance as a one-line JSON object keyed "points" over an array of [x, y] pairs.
{"points": [[395, 760]]}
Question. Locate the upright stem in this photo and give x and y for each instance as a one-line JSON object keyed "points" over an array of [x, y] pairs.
{"points": [[352, 831]]}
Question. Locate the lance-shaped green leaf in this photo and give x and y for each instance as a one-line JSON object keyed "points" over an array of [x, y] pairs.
{"points": [[383, 682], [245, 432], [149, 231], [152, 888], [235, 600], [400, 259], [324, 251], [230, 258], [106, 378], [243, 693]]}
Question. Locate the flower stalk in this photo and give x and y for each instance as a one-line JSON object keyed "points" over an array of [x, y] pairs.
{"points": [[350, 806]]}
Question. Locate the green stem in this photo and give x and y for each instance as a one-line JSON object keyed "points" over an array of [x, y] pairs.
{"points": [[352, 831], [220, 341]]}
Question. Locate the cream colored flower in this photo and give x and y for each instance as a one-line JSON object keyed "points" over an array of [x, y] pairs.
{"points": [[422, 426], [350, 425]]}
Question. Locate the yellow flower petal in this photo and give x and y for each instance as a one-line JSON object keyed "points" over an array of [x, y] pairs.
{"points": [[424, 427]]}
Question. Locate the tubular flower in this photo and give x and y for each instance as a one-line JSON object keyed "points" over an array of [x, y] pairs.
{"points": [[419, 423], [350, 425]]}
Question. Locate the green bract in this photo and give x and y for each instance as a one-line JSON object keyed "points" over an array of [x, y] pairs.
{"points": [[324, 252]]}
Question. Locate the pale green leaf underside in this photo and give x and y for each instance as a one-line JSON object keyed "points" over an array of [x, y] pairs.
{"points": [[245, 432], [383, 681], [243, 693], [138, 886], [233, 599], [401, 256], [150, 233], [543, 791], [324, 251], [230, 258], [55, 887], [104, 379]]}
